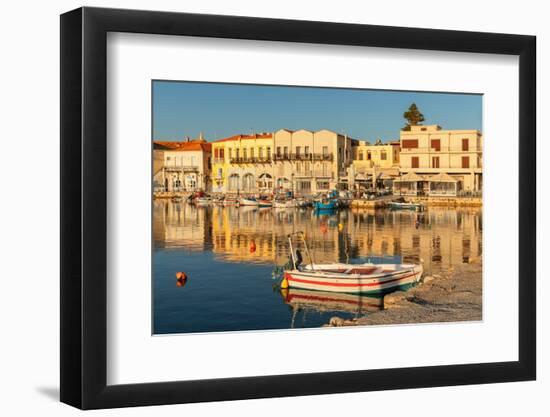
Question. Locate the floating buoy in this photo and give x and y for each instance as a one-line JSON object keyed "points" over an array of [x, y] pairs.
{"points": [[340, 227], [252, 246], [284, 284], [181, 276], [284, 293]]}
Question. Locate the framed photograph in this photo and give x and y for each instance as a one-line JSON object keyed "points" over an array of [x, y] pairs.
{"points": [[257, 207]]}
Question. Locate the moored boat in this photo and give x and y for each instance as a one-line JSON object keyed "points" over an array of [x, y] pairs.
{"points": [[203, 201], [264, 202], [397, 205], [284, 204], [325, 205], [248, 201], [365, 278]]}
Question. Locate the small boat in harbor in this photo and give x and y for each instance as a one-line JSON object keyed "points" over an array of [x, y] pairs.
{"points": [[325, 205], [248, 201], [365, 278], [264, 202], [203, 201], [228, 201], [398, 205], [284, 204]]}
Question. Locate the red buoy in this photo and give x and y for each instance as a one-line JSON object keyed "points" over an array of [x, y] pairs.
{"points": [[252, 246]]}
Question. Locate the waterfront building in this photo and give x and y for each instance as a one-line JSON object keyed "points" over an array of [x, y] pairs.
{"points": [[301, 161], [242, 163], [430, 150], [182, 166], [307, 162], [374, 165]]}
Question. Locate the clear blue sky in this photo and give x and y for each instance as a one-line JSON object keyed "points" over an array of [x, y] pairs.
{"points": [[183, 109]]}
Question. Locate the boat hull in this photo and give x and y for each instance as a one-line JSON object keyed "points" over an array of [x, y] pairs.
{"points": [[354, 283]]}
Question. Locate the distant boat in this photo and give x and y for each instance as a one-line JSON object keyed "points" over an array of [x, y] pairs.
{"points": [[203, 201], [264, 202], [248, 201], [395, 205], [284, 204], [230, 202], [325, 205]]}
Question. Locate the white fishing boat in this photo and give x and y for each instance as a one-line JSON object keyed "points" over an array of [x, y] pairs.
{"points": [[284, 204], [366, 278], [230, 202], [203, 201], [248, 201]]}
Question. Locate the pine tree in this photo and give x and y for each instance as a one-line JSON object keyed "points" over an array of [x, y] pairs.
{"points": [[413, 116]]}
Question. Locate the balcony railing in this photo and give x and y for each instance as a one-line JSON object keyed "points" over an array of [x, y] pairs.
{"points": [[303, 157], [179, 168], [250, 160]]}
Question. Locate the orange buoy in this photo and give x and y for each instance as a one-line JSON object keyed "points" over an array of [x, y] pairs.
{"points": [[252, 246], [324, 228], [181, 276]]}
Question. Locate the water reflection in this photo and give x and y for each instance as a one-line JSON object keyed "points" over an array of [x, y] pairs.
{"points": [[439, 237]]}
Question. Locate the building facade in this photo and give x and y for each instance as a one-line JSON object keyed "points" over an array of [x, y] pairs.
{"points": [[374, 165], [242, 164], [301, 161], [308, 162], [182, 166], [430, 150]]}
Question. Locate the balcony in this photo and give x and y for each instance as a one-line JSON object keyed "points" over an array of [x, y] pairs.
{"points": [[250, 160], [181, 168], [303, 157]]}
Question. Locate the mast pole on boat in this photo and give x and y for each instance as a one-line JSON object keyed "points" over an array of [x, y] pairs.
{"points": [[307, 251], [292, 252]]}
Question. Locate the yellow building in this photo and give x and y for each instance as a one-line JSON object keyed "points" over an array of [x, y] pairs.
{"points": [[428, 151], [372, 164], [242, 163]]}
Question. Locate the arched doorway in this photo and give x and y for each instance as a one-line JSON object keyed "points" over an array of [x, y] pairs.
{"points": [[265, 181], [248, 182], [234, 182]]}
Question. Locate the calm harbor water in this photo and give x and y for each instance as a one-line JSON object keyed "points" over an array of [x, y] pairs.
{"points": [[229, 255]]}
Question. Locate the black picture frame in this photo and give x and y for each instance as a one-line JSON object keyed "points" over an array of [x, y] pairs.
{"points": [[84, 207]]}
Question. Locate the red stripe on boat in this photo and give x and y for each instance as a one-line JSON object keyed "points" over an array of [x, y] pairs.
{"points": [[343, 284]]}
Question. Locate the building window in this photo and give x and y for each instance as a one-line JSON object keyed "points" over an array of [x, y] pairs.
{"points": [[237, 153], [221, 153], [252, 152], [216, 154], [435, 162], [436, 144], [306, 168], [244, 153], [261, 152], [298, 149], [285, 151], [369, 156], [278, 151], [410, 143], [304, 185], [298, 167], [465, 144], [414, 162], [220, 172], [325, 170], [323, 185], [230, 152], [465, 162], [383, 155], [325, 150], [306, 150], [268, 152], [360, 156]]}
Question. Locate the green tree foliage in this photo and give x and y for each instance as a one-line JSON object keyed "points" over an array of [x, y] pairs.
{"points": [[413, 117]]}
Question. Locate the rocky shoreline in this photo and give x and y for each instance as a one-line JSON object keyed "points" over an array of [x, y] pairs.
{"points": [[450, 297]]}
